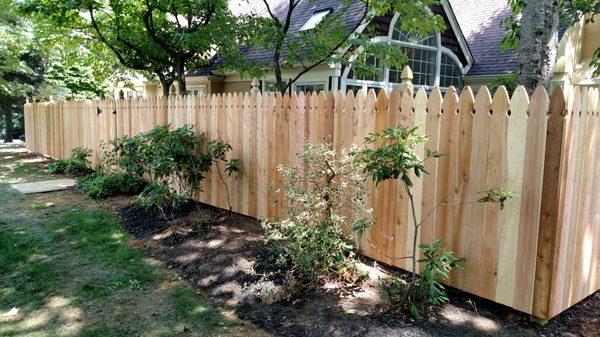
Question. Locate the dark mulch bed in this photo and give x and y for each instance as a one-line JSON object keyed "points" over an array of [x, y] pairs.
{"points": [[224, 261]]}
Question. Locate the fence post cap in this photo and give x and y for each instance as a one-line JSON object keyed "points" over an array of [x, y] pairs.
{"points": [[255, 84], [406, 74]]}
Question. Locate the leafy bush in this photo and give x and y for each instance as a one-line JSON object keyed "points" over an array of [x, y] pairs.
{"points": [[321, 192], [174, 161], [78, 163], [427, 292], [101, 185], [508, 81]]}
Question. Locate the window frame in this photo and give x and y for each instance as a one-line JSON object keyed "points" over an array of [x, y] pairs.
{"points": [[307, 83], [189, 90], [385, 83]]}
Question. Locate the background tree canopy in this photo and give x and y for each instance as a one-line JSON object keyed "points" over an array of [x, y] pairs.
{"points": [[39, 60]]}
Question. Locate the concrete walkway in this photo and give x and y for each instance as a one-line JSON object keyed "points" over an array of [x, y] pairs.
{"points": [[43, 186]]}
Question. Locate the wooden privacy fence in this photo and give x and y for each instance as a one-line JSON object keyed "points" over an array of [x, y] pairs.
{"points": [[540, 255]]}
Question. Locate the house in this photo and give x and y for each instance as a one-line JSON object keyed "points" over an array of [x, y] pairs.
{"points": [[466, 53]]}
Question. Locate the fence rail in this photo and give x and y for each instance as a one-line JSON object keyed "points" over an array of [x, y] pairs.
{"points": [[539, 255]]}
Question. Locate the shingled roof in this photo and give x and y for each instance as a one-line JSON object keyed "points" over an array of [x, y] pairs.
{"points": [[479, 21], [302, 13]]}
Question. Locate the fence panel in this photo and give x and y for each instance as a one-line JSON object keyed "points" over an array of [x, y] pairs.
{"points": [[539, 255]]}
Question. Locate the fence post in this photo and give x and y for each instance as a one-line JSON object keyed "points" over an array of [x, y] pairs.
{"points": [[549, 213], [406, 84]]}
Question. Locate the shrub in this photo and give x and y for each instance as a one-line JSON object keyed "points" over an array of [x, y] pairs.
{"points": [[101, 185], [174, 161], [320, 192], [427, 292], [78, 163]]}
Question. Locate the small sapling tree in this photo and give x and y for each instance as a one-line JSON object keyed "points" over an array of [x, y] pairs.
{"points": [[393, 156]]}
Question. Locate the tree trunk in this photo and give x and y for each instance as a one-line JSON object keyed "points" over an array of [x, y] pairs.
{"points": [[166, 87], [538, 43], [181, 85], [181, 78], [165, 82], [8, 124]]}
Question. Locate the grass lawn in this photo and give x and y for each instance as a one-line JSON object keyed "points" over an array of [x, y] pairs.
{"points": [[67, 269]]}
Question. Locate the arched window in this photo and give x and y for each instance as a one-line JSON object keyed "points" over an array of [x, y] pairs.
{"points": [[430, 62]]}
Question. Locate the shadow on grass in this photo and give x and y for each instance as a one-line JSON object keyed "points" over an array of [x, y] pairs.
{"points": [[68, 269]]}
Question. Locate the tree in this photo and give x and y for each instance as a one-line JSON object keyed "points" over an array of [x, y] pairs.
{"points": [[38, 60], [330, 41], [392, 154], [162, 37], [532, 30]]}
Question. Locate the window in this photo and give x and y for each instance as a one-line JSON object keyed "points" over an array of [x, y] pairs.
{"points": [[430, 62], [271, 86], [414, 38], [315, 19], [450, 74], [353, 88], [422, 62], [196, 90], [312, 87], [378, 76]]}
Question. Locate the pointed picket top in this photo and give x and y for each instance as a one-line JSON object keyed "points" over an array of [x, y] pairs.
{"points": [[483, 102], [339, 101], [394, 102], [539, 103], [557, 103], [450, 102], [501, 101], [593, 103], [330, 96], [434, 104], [371, 97], [382, 101], [301, 96], [519, 103], [245, 99], [421, 101], [293, 96], [467, 101], [321, 100], [585, 103], [349, 104]]}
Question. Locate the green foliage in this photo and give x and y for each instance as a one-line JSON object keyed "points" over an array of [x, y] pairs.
{"points": [[174, 161], [320, 192], [508, 81], [165, 38], [499, 195], [394, 155], [101, 185], [78, 163], [427, 292], [571, 12], [320, 45], [512, 26]]}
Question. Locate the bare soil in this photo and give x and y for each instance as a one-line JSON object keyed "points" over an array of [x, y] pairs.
{"points": [[229, 263]]}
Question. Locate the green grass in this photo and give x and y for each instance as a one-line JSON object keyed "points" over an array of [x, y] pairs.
{"points": [[70, 270]]}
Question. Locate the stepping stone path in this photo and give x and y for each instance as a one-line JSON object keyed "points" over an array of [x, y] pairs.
{"points": [[44, 186]]}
